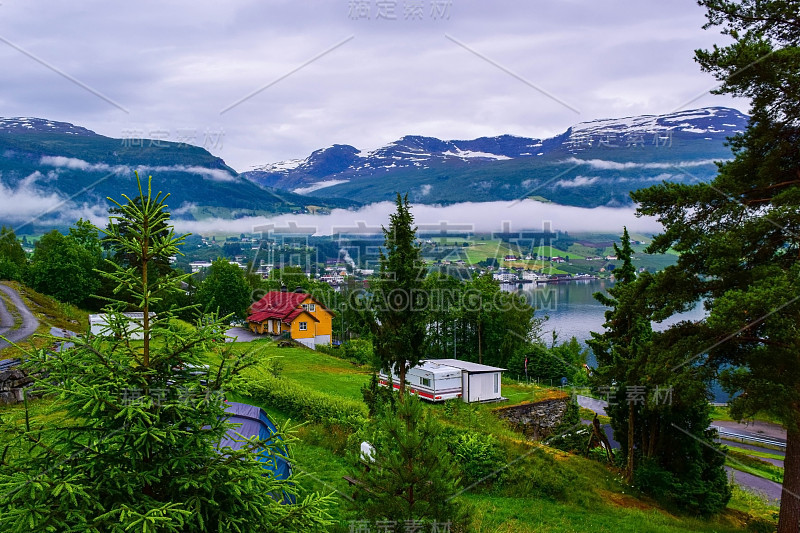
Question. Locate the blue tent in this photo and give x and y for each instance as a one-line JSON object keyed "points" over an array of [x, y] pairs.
{"points": [[255, 423]]}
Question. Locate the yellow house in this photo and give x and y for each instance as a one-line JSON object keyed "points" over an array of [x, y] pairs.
{"points": [[304, 318]]}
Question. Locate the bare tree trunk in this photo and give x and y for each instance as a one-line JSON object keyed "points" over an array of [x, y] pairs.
{"points": [[480, 353], [402, 378], [629, 469], [145, 292], [789, 517]]}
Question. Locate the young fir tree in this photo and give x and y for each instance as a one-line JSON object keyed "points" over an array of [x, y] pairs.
{"points": [[399, 300], [409, 480], [738, 235], [132, 441]]}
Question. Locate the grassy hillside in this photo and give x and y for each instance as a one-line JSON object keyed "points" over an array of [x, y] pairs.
{"points": [[543, 489]]}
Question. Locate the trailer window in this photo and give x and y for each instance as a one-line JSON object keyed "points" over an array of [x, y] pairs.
{"points": [[425, 381], [496, 383]]}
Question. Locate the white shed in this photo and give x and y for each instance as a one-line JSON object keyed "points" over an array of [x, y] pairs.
{"points": [[479, 383], [98, 325]]}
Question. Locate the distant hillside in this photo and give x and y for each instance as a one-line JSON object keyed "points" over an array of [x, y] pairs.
{"points": [[45, 162], [591, 164]]}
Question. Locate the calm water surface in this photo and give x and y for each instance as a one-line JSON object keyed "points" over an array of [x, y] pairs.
{"points": [[572, 311]]}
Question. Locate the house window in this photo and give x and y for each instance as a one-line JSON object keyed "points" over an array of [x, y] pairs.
{"points": [[425, 382], [310, 307], [496, 383], [303, 326]]}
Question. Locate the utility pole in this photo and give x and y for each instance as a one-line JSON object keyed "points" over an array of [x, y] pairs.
{"points": [[454, 340]]}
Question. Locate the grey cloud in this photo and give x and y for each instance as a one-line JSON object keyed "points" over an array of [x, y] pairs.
{"points": [[483, 217], [176, 65]]}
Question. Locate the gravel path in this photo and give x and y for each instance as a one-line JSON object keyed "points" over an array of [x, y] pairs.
{"points": [[29, 322], [598, 406], [240, 334]]}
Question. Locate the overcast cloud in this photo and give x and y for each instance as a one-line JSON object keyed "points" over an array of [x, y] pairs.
{"points": [[156, 69]]}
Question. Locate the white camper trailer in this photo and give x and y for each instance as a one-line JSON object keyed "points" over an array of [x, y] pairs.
{"points": [[479, 383], [438, 380], [429, 380]]}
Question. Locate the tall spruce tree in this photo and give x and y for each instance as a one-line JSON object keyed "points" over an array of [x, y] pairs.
{"points": [[132, 443], [661, 415], [739, 235], [399, 300], [620, 349]]}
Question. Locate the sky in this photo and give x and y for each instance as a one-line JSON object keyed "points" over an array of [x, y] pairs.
{"points": [[257, 82]]}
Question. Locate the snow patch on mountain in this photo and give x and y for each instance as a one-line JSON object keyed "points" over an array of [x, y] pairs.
{"points": [[469, 154], [317, 186]]}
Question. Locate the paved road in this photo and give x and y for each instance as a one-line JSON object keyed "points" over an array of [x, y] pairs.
{"points": [[756, 484], [6, 320], [748, 481], [761, 430], [598, 406], [240, 334], [29, 322]]}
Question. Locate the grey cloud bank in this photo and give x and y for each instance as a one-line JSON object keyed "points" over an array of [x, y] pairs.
{"points": [[482, 217], [175, 66]]}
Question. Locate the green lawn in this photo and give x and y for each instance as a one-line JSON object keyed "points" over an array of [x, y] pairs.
{"points": [[313, 369], [722, 414]]}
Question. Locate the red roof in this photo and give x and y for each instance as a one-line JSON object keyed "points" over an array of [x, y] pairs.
{"points": [[281, 305]]}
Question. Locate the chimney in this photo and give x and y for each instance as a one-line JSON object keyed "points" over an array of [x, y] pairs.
{"points": [[284, 289], [299, 290]]}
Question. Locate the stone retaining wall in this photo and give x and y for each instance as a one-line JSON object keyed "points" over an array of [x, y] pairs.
{"points": [[11, 384], [535, 420]]}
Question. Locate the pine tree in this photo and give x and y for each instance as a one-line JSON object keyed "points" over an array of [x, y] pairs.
{"points": [[132, 443], [410, 477], [738, 235], [621, 348]]}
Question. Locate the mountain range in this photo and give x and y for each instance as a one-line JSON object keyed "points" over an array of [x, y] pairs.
{"points": [[595, 163], [52, 170]]}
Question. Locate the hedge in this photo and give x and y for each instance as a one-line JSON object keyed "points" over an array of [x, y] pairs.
{"points": [[300, 401]]}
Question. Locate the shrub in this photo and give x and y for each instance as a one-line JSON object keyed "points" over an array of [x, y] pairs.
{"points": [[574, 441], [480, 457], [703, 496], [358, 351]]}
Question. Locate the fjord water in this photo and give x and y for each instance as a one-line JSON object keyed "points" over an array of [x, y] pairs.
{"points": [[572, 311]]}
